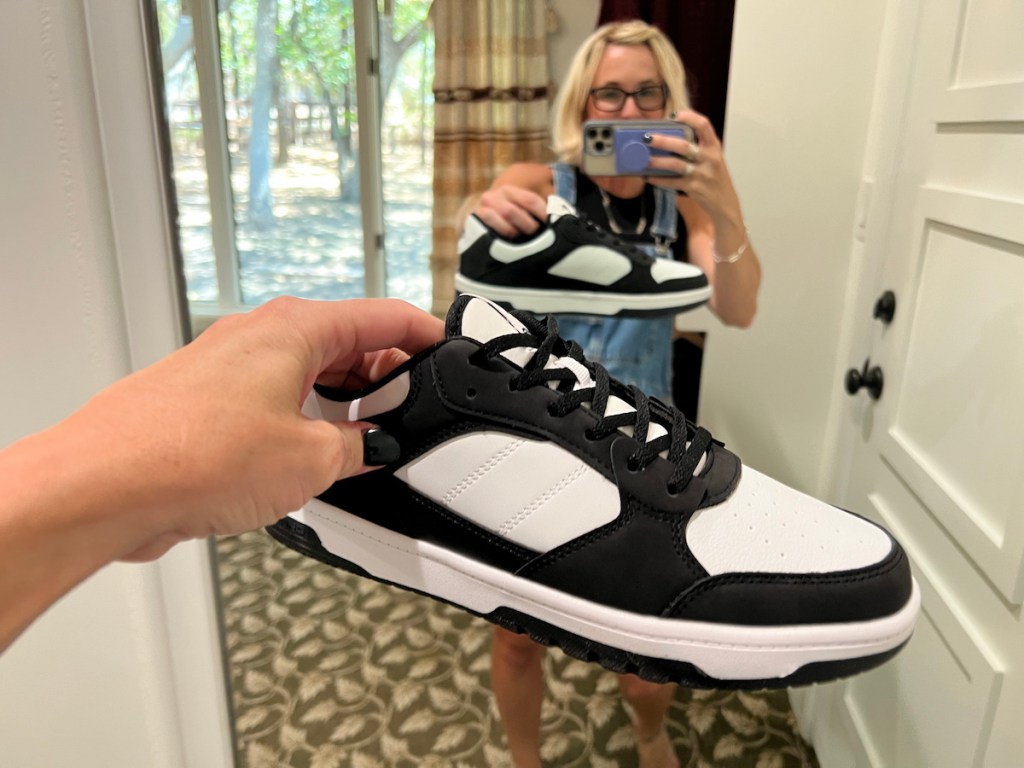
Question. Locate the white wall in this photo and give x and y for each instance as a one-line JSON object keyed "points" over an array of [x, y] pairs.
{"points": [[800, 91], [576, 20], [86, 294]]}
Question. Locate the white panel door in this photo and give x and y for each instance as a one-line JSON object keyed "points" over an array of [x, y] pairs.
{"points": [[940, 454]]}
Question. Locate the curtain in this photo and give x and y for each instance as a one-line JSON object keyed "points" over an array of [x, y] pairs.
{"points": [[491, 98], [701, 31]]}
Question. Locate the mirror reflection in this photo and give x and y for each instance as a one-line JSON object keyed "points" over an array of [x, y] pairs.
{"points": [[270, 146]]}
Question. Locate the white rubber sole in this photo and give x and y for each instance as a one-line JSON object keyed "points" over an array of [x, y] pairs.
{"points": [[587, 303], [722, 651]]}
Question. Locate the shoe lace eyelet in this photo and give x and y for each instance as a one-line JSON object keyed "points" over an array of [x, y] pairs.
{"points": [[471, 393], [632, 464]]}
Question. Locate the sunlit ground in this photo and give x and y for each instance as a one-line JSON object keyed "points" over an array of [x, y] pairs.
{"points": [[315, 248]]}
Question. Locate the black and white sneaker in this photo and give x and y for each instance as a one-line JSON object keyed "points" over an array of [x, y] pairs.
{"points": [[573, 266], [534, 491]]}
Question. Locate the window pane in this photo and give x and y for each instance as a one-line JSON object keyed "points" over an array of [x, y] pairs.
{"points": [[287, 207], [291, 120], [407, 141], [181, 102]]}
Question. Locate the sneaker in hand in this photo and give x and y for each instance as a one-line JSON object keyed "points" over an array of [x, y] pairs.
{"points": [[534, 491]]}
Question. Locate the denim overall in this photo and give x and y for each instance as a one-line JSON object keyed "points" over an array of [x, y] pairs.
{"points": [[635, 350]]}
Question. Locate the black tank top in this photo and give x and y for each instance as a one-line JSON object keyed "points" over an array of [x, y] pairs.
{"points": [[627, 212]]}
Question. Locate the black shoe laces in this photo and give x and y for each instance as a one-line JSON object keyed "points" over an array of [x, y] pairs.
{"points": [[685, 442], [596, 233]]}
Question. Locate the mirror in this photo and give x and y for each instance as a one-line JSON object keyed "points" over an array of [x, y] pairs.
{"points": [[327, 668]]}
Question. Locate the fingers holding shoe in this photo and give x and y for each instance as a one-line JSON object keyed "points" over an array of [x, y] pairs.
{"points": [[510, 210], [700, 168]]}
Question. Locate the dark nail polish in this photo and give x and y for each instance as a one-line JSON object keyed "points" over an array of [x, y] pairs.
{"points": [[379, 448], [647, 138], [673, 116]]}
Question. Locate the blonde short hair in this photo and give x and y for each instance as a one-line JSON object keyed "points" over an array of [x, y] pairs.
{"points": [[572, 96]]}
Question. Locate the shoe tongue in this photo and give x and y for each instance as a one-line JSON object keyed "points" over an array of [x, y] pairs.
{"points": [[477, 318], [559, 207]]}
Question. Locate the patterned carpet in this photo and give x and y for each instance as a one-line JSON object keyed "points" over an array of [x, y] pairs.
{"points": [[330, 670]]}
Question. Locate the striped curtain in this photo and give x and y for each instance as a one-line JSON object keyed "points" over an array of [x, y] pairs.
{"points": [[491, 98]]}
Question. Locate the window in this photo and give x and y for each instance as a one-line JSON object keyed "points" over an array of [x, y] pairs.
{"points": [[302, 138]]}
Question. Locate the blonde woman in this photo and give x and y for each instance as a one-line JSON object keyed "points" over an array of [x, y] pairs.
{"points": [[626, 70]]}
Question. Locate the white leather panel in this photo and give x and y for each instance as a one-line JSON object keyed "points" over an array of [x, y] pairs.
{"points": [[507, 252], [669, 269], [768, 527], [531, 492], [594, 264]]}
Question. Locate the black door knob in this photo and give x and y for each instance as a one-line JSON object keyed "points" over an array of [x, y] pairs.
{"points": [[885, 307], [870, 379]]}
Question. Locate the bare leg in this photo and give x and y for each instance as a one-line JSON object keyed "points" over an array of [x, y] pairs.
{"points": [[518, 684], [650, 703]]}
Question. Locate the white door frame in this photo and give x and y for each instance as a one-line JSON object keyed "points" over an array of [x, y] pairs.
{"points": [[183, 583]]}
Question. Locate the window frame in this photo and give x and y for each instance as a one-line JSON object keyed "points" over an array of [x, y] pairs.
{"points": [[209, 72]]}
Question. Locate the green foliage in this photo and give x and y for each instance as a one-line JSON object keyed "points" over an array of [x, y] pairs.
{"points": [[167, 14], [316, 55], [315, 45]]}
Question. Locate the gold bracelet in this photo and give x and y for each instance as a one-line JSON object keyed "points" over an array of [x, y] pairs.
{"points": [[733, 257]]}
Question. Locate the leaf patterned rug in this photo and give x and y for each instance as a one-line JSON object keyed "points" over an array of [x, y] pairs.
{"points": [[330, 670]]}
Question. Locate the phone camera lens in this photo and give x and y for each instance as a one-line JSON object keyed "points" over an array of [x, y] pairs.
{"points": [[606, 133], [592, 132], [598, 146]]}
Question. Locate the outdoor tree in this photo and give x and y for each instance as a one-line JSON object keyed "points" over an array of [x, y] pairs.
{"points": [[261, 204], [317, 45], [275, 53], [317, 57]]}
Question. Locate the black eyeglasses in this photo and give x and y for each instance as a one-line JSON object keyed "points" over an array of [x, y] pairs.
{"points": [[608, 98]]}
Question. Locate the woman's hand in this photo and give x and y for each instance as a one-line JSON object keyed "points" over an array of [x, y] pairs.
{"points": [[511, 210], [703, 174], [718, 239], [210, 440]]}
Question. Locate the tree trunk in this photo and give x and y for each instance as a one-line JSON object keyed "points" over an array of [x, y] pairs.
{"points": [[284, 138], [178, 45], [261, 204], [391, 52]]}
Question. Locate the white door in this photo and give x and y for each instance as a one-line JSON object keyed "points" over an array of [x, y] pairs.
{"points": [[939, 456]]}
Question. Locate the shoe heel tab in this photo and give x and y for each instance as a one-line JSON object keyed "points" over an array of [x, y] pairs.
{"points": [[391, 392]]}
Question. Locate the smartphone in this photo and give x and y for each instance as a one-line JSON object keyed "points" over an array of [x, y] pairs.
{"points": [[617, 148]]}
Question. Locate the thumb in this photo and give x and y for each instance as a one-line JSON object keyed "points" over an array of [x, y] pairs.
{"points": [[354, 448]]}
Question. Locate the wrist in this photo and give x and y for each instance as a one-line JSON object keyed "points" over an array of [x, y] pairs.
{"points": [[730, 229], [729, 250]]}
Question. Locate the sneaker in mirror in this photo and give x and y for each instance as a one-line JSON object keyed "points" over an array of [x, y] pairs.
{"points": [[573, 266]]}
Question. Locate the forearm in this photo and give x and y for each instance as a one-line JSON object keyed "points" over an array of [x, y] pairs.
{"points": [[737, 274], [61, 521], [722, 248]]}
